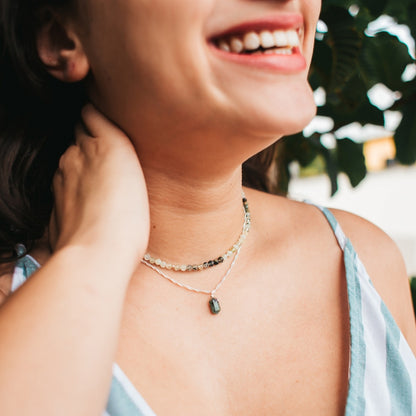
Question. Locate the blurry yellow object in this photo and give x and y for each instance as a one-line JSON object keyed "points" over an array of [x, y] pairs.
{"points": [[378, 152]]}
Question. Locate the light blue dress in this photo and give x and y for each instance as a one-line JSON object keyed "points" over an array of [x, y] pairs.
{"points": [[382, 378]]}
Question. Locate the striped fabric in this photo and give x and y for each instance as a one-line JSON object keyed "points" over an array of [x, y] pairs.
{"points": [[382, 366]]}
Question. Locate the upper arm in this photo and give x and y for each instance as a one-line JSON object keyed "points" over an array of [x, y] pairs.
{"points": [[385, 266]]}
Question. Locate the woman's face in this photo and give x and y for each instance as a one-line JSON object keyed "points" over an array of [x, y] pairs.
{"points": [[171, 69]]}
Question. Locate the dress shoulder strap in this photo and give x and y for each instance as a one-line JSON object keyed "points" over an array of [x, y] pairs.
{"points": [[25, 267], [339, 233], [382, 366]]}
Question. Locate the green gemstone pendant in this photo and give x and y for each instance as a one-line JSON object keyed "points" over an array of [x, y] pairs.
{"points": [[214, 306]]}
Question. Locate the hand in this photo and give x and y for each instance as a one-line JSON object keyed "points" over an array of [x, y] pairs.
{"points": [[100, 194]]}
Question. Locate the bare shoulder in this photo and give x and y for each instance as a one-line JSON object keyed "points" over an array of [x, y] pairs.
{"points": [[385, 266], [377, 251], [277, 211]]}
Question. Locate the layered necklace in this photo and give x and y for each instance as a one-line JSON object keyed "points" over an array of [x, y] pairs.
{"points": [[159, 265]]}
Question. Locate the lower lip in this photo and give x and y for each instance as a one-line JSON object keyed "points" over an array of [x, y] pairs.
{"points": [[280, 63]]}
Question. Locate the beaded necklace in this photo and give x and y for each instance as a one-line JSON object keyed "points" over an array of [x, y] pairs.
{"points": [[210, 263]]}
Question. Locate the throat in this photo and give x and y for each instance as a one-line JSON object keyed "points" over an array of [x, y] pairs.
{"points": [[190, 235], [216, 260], [193, 221]]}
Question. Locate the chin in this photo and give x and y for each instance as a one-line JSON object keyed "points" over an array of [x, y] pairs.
{"points": [[284, 119], [292, 124]]}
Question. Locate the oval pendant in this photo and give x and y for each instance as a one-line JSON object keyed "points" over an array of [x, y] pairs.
{"points": [[214, 306]]}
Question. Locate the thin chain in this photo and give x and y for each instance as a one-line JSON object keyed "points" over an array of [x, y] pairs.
{"points": [[190, 288]]}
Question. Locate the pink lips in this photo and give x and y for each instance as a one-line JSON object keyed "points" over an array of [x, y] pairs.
{"points": [[282, 63]]}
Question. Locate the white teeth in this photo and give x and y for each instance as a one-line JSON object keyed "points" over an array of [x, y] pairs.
{"points": [[236, 45], [274, 51], [283, 51], [280, 38], [266, 39], [251, 41], [224, 46], [292, 38], [279, 51]]}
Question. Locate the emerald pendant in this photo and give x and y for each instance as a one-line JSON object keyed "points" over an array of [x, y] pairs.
{"points": [[214, 306]]}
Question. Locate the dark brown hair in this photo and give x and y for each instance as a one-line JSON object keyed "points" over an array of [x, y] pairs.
{"points": [[37, 115], [37, 118]]}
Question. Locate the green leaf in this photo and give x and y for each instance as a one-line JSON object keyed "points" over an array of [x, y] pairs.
{"points": [[321, 69], [413, 290], [351, 160], [331, 169], [405, 135], [345, 41], [339, 3], [363, 19], [299, 148], [383, 60], [408, 93], [375, 7], [352, 105]]}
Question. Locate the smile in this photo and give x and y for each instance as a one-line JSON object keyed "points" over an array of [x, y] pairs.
{"points": [[271, 43], [280, 42]]}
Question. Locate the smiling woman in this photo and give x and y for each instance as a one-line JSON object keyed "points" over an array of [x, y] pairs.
{"points": [[149, 268]]}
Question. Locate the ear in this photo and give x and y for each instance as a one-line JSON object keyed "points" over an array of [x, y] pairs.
{"points": [[60, 49]]}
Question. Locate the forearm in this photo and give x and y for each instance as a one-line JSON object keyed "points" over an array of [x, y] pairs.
{"points": [[59, 335]]}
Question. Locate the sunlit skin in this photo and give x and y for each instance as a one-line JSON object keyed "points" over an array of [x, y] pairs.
{"points": [[280, 344]]}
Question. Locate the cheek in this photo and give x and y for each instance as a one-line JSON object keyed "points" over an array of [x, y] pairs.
{"points": [[150, 47], [311, 10]]}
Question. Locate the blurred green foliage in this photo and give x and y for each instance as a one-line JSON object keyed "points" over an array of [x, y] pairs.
{"points": [[348, 62]]}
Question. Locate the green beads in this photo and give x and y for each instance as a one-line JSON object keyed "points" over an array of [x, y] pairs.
{"points": [[214, 306]]}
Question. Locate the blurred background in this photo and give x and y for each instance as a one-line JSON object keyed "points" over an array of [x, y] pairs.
{"points": [[359, 153]]}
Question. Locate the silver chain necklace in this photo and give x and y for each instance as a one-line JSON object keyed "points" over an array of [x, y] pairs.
{"points": [[214, 304]]}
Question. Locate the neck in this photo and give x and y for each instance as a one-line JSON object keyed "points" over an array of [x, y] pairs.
{"points": [[193, 220]]}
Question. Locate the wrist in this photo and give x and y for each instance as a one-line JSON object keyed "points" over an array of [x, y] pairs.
{"points": [[97, 261]]}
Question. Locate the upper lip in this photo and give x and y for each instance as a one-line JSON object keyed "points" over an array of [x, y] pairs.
{"points": [[282, 21]]}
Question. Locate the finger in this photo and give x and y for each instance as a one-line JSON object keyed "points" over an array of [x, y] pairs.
{"points": [[97, 124], [53, 230], [68, 159], [81, 134], [57, 190]]}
